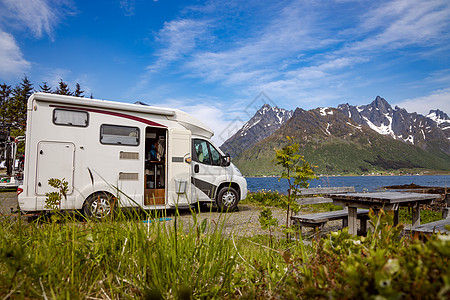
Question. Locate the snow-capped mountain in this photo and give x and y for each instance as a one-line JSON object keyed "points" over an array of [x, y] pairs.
{"points": [[265, 122], [346, 139], [396, 122], [442, 120]]}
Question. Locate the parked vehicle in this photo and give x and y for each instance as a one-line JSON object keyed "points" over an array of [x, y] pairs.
{"points": [[129, 154], [13, 163]]}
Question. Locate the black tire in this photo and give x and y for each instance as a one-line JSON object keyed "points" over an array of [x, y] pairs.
{"points": [[99, 205], [227, 199]]}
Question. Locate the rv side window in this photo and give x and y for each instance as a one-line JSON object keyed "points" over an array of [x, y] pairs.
{"points": [[202, 152], [119, 135], [70, 117], [215, 156], [206, 153]]}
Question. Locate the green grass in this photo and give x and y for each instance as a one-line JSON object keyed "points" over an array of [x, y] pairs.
{"points": [[426, 216], [124, 258]]}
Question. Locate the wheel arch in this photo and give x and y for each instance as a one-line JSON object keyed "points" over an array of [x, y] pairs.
{"points": [[227, 184], [90, 190], [111, 204]]}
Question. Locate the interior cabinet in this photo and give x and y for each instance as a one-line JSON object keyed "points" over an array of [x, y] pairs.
{"points": [[154, 183], [155, 166]]}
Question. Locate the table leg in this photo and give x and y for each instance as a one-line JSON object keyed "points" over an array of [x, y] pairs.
{"points": [[344, 223], [363, 223], [416, 215], [352, 228], [396, 216]]}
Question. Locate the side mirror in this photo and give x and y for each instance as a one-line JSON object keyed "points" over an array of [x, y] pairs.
{"points": [[226, 160]]}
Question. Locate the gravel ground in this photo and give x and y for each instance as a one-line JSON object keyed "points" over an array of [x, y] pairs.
{"points": [[8, 201], [243, 222]]}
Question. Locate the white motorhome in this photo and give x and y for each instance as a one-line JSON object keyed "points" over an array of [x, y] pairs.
{"points": [[137, 155]]}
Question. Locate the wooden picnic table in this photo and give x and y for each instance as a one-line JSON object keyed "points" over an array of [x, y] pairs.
{"points": [[382, 200]]}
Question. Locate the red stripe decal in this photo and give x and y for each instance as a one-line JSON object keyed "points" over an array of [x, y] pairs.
{"points": [[111, 113]]}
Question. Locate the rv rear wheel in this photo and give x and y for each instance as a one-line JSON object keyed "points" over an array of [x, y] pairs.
{"points": [[99, 205], [228, 199]]}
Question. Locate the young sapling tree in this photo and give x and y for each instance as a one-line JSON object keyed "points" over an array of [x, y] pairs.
{"points": [[297, 171]]}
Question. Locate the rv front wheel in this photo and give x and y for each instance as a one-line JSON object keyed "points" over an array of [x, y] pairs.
{"points": [[227, 199], [99, 205]]}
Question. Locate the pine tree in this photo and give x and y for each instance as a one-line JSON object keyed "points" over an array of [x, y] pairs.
{"points": [[78, 92], [5, 98], [17, 108], [63, 89], [45, 88]]}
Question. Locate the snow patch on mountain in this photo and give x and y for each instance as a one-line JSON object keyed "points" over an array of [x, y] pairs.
{"points": [[325, 111]]}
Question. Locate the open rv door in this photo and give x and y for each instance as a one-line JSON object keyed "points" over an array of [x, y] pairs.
{"points": [[179, 168]]}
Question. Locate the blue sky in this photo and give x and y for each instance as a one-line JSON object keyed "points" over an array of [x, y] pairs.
{"points": [[220, 60]]}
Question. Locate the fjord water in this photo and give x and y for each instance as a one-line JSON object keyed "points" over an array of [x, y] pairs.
{"points": [[361, 183]]}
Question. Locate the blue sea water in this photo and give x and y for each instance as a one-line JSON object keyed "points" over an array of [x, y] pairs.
{"points": [[361, 183]]}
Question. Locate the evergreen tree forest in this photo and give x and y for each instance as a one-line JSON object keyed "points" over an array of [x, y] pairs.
{"points": [[13, 101]]}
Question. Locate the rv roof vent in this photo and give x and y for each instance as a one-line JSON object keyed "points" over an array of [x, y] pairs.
{"points": [[141, 103]]}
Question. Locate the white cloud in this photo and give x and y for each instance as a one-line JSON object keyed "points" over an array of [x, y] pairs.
{"points": [[219, 116], [261, 57], [422, 105], [12, 62], [179, 38], [311, 53], [39, 16], [400, 23]]}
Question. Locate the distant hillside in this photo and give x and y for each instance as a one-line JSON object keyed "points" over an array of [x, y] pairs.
{"points": [[337, 144]]}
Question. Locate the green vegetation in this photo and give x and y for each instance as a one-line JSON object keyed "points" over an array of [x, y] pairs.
{"points": [[426, 216], [268, 198], [53, 199], [13, 101], [353, 156], [297, 171], [126, 258]]}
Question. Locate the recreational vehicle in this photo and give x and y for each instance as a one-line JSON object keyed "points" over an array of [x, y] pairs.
{"points": [[130, 154]]}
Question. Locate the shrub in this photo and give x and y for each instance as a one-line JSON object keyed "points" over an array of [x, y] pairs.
{"points": [[380, 265], [125, 258], [266, 198]]}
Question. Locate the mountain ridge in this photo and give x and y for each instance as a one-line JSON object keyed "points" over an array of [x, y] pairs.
{"points": [[263, 123], [338, 143]]}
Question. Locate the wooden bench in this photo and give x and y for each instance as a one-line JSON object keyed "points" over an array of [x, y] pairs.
{"points": [[318, 220], [307, 194], [433, 227]]}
